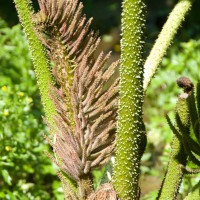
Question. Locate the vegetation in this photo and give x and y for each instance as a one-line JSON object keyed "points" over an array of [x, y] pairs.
{"points": [[25, 172], [81, 112]]}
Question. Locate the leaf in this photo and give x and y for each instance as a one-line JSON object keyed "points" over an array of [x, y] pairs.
{"points": [[6, 177], [198, 96], [172, 127], [193, 114], [194, 146], [183, 129]]}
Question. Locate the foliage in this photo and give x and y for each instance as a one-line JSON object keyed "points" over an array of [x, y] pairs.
{"points": [[181, 60], [83, 136], [25, 173], [157, 14]]}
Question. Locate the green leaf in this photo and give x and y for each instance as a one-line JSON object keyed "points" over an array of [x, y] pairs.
{"points": [[6, 177], [194, 146], [193, 114], [198, 96], [183, 127], [172, 127]]}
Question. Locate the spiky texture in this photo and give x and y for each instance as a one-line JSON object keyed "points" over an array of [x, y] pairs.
{"points": [[105, 192], [190, 141], [68, 192], [65, 32], [174, 174], [40, 61], [131, 136], [187, 170], [91, 143], [185, 144], [198, 96], [84, 95]]}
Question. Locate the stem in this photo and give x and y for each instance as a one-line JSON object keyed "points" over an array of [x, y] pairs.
{"points": [[85, 186], [39, 58], [174, 174], [164, 40], [131, 137]]}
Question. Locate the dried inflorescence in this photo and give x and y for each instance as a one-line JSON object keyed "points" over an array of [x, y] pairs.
{"points": [[65, 32], [85, 95], [105, 192], [185, 83]]}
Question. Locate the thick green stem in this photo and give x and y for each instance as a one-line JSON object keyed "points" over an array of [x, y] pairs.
{"points": [[40, 61], [131, 138], [165, 38], [174, 174]]}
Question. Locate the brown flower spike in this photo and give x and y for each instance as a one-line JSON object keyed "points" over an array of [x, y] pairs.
{"points": [[85, 95]]}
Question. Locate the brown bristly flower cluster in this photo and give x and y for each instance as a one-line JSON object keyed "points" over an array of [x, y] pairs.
{"points": [[105, 192], [186, 84], [85, 95]]}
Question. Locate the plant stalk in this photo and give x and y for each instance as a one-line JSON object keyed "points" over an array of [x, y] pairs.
{"points": [[85, 186], [131, 136], [164, 39], [174, 174], [40, 61], [39, 58]]}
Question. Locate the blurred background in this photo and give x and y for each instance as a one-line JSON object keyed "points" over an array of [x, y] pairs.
{"points": [[25, 172]]}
